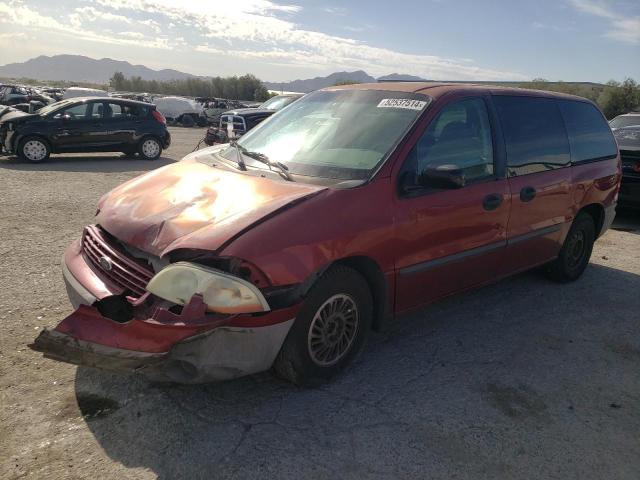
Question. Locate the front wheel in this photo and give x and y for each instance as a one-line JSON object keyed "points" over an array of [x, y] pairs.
{"points": [[34, 149], [576, 251], [150, 148], [330, 330]]}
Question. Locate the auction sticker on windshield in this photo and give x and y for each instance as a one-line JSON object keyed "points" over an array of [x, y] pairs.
{"points": [[406, 103]]}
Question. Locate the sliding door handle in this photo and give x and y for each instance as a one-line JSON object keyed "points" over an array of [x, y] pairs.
{"points": [[527, 194]]}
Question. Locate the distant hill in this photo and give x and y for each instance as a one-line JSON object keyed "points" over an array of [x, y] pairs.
{"points": [[77, 68], [316, 83], [396, 77]]}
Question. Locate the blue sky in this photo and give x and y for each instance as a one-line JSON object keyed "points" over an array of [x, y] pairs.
{"points": [[571, 40]]}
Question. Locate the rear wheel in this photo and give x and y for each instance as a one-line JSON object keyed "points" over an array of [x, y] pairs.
{"points": [[34, 149], [150, 148], [330, 330], [576, 251]]}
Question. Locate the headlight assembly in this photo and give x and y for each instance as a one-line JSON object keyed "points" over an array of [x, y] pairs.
{"points": [[221, 292]]}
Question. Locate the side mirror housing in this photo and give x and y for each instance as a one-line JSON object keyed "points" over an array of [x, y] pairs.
{"points": [[442, 176]]}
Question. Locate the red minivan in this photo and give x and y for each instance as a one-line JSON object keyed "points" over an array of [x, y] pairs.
{"points": [[343, 210]]}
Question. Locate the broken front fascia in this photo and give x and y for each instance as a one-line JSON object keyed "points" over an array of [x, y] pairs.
{"points": [[113, 332], [212, 348]]}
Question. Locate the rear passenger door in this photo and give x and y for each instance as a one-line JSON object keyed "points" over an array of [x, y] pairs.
{"points": [[119, 126], [539, 175]]}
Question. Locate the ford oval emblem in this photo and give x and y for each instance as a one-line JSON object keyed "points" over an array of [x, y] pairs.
{"points": [[106, 263]]}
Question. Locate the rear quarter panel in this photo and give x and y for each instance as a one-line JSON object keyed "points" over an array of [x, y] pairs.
{"points": [[596, 183]]}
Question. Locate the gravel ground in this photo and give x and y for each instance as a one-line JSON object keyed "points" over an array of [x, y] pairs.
{"points": [[522, 379]]}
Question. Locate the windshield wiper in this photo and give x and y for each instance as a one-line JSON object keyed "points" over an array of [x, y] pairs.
{"points": [[262, 158], [239, 159]]}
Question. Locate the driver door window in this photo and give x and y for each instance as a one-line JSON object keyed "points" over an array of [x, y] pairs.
{"points": [[77, 112], [459, 136]]}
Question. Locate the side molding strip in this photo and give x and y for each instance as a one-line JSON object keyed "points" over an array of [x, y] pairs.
{"points": [[456, 257]]}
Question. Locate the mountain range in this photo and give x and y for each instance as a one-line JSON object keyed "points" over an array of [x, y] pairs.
{"points": [[78, 68]]}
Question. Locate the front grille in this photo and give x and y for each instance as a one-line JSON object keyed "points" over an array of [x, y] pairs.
{"points": [[630, 161], [239, 125], [113, 263]]}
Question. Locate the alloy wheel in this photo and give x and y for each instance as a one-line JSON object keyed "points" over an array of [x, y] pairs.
{"points": [[333, 330], [34, 150], [150, 148]]}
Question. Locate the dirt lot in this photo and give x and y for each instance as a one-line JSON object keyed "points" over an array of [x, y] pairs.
{"points": [[523, 379]]}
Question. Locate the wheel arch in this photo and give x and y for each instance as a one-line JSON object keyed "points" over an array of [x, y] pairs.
{"points": [[596, 211], [18, 141], [377, 283]]}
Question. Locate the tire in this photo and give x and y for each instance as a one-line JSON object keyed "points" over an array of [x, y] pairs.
{"points": [[576, 251], [150, 148], [34, 149], [330, 331], [188, 121]]}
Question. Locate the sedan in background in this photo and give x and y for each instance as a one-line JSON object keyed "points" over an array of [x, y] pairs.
{"points": [[89, 124]]}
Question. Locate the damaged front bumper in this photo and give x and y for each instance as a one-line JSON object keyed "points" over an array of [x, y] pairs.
{"points": [[220, 353], [189, 346]]}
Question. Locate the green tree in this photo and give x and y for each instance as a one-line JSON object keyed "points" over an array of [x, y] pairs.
{"points": [[117, 81], [618, 98]]}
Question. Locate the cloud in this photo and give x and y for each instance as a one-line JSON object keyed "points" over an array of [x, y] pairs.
{"points": [[75, 25], [263, 30], [257, 30], [622, 28]]}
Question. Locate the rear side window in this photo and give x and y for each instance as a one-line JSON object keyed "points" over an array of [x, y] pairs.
{"points": [[589, 135], [534, 133]]}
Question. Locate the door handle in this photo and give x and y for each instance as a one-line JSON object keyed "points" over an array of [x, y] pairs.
{"points": [[527, 194], [491, 201]]}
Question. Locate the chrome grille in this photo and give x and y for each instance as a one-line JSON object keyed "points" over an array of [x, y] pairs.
{"points": [[239, 125], [113, 263]]}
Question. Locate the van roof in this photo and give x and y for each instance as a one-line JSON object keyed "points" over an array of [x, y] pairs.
{"points": [[438, 89]]}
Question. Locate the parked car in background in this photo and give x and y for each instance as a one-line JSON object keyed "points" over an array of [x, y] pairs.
{"points": [[86, 125], [353, 205], [81, 92], [625, 120], [235, 123], [628, 138], [180, 111]]}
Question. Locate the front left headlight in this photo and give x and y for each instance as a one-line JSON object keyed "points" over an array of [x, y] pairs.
{"points": [[221, 292]]}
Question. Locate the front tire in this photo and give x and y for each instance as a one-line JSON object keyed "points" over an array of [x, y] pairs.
{"points": [[34, 149], [330, 330], [150, 148], [576, 251]]}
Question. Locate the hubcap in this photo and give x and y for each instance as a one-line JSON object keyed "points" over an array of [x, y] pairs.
{"points": [[576, 249], [35, 150], [333, 330], [150, 148]]}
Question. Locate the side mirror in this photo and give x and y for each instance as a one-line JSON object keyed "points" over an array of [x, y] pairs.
{"points": [[442, 176]]}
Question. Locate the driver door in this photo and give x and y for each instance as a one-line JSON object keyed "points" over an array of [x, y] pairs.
{"points": [[75, 127], [450, 239]]}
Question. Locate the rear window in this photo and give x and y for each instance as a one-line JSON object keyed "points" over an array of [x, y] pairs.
{"points": [[534, 134], [589, 135]]}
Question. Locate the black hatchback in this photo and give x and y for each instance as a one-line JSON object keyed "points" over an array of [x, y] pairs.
{"points": [[94, 124]]}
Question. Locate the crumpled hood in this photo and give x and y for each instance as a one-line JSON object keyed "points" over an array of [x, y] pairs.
{"points": [[192, 205]]}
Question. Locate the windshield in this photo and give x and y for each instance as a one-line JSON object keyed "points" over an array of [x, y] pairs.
{"points": [[53, 107], [341, 134], [278, 102], [625, 121]]}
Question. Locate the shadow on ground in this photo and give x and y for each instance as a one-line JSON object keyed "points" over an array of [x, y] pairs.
{"points": [[627, 221], [525, 379], [105, 163]]}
